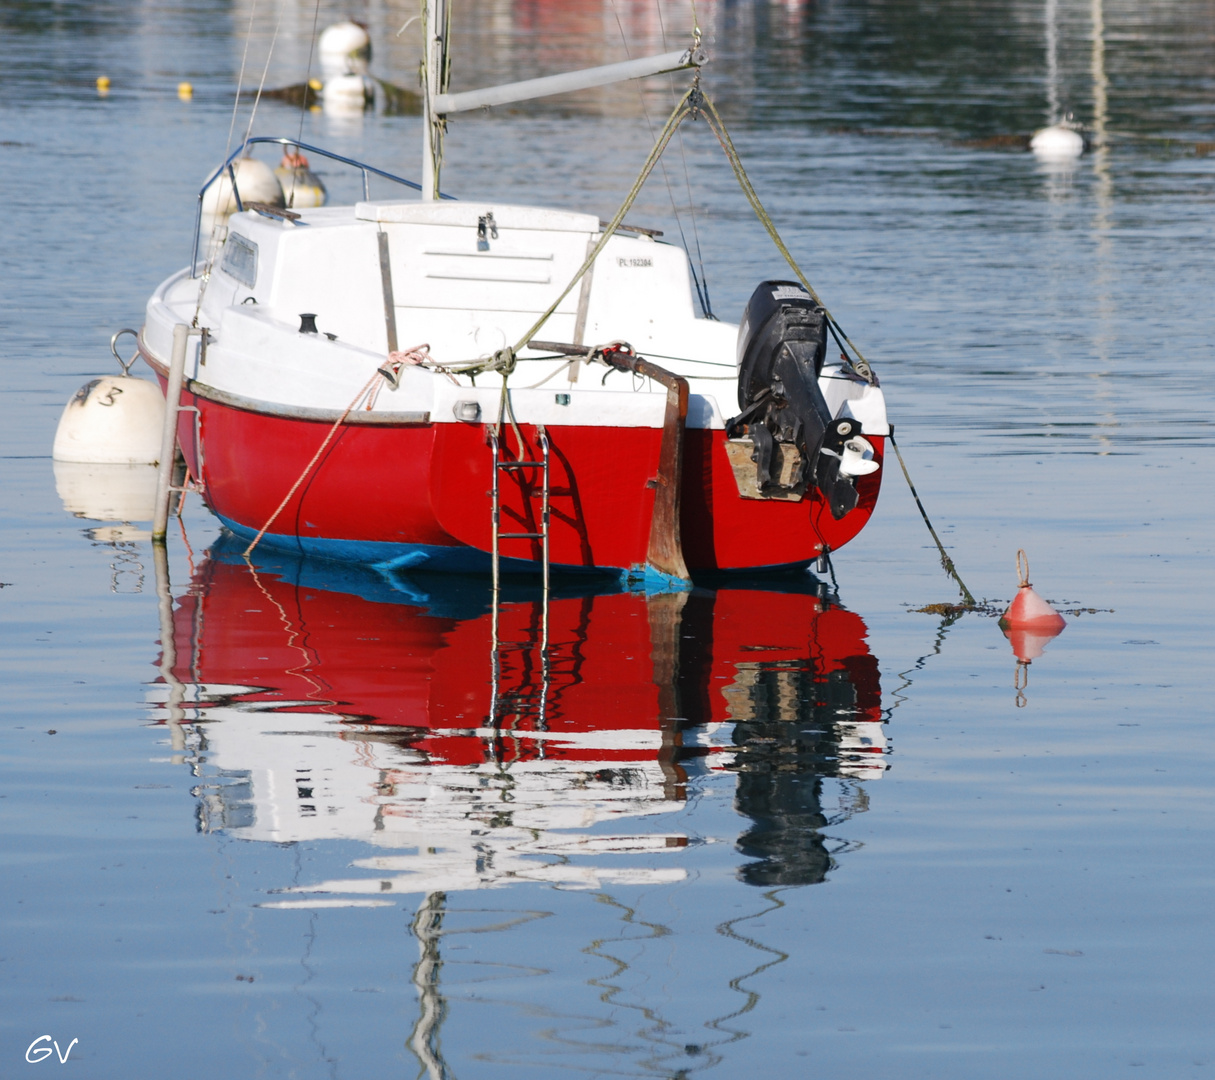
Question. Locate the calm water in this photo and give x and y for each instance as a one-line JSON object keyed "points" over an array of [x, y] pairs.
{"points": [[299, 822]]}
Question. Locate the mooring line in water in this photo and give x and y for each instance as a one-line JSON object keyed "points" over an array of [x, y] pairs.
{"points": [[946, 561], [948, 618]]}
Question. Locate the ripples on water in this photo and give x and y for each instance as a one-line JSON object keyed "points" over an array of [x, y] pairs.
{"points": [[345, 840]]}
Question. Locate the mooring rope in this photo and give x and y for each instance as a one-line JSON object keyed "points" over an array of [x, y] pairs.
{"points": [[718, 127], [390, 372], [946, 561]]}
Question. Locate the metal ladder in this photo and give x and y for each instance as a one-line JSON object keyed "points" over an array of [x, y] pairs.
{"points": [[525, 695], [514, 704], [501, 466]]}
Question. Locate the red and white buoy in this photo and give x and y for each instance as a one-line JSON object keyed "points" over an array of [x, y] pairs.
{"points": [[1030, 622]]}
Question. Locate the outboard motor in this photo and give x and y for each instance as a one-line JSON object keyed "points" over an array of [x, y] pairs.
{"points": [[795, 444]]}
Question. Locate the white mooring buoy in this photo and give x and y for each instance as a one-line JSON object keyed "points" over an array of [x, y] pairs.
{"points": [[1059, 142], [113, 420], [347, 94], [345, 47], [255, 181]]}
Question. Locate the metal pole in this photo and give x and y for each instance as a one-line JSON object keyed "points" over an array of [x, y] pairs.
{"points": [[529, 89], [433, 46], [544, 514], [495, 519], [168, 437], [168, 655]]}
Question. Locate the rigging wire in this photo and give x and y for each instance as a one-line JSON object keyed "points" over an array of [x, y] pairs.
{"points": [[702, 291], [240, 78], [213, 240], [266, 69], [316, 15], [706, 305], [219, 225]]}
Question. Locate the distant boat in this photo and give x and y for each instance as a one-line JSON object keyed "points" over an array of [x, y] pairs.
{"points": [[625, 434]]}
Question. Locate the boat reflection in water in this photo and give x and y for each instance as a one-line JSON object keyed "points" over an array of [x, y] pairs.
{"points": [[480, 747], [578, 744]]}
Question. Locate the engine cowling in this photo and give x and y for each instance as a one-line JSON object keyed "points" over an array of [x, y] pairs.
{"points": [[794, 442]]}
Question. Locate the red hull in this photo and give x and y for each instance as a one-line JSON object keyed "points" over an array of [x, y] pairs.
{"points": [[428, 484]]}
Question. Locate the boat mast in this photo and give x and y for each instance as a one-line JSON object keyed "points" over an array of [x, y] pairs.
{"points": [[434, 71], [437, 103]]}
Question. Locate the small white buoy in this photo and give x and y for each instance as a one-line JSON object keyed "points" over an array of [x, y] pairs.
{"points": [[302, 188], [346, 94], [107, 492], [345, 48], [1059, 142], [116, 419], [255, 181]]}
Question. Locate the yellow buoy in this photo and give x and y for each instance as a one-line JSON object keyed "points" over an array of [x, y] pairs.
{"points": [[185, 91], [103, 84]]}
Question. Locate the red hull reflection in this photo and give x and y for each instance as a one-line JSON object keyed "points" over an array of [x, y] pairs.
{"points": [[326, 701]]}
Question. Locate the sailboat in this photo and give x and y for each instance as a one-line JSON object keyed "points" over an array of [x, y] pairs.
{"points": [[429, 382]]}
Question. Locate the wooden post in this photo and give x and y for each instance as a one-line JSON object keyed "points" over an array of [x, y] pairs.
{"points": [[665, 554]]}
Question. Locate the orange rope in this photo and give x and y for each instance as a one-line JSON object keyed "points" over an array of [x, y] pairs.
{"points": [[391, 370]]}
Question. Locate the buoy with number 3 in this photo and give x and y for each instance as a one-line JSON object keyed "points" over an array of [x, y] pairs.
{"points": [[1030, 622]]}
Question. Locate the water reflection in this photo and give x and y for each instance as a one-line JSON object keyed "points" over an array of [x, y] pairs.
{"points": [[316, 701], [568, 746]]}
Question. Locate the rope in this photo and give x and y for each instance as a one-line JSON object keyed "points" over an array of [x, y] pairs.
{"points": [[718, 128], [946, 561], [683, 109], [860, 364], [391, 372], [504, 360], [1023, 575]]}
